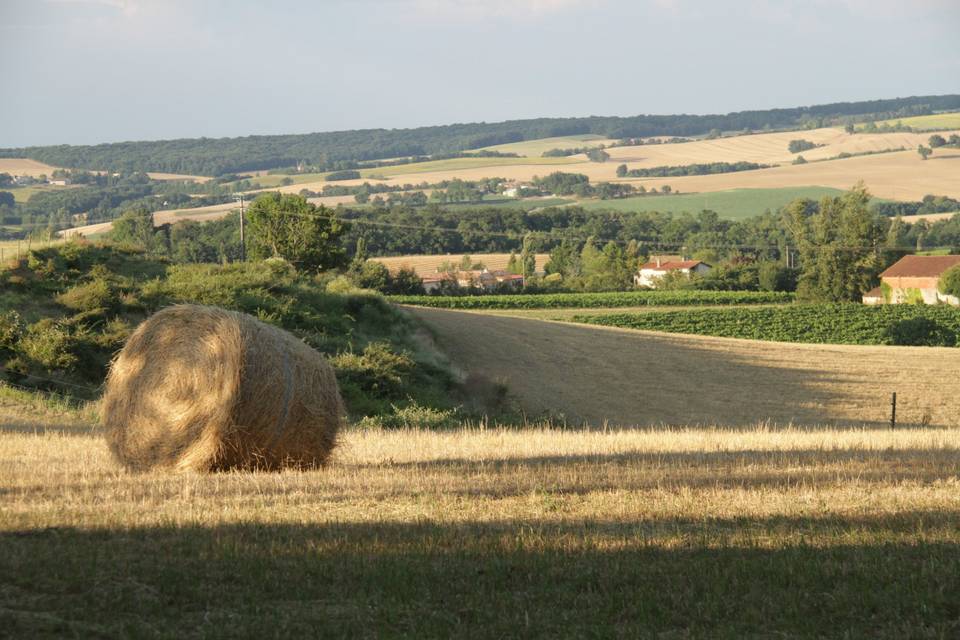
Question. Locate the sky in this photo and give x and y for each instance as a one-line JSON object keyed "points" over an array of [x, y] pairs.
{"points": [[91, 71]]}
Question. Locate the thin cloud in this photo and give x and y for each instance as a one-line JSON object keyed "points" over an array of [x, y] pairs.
{"points": [[474, 10]]}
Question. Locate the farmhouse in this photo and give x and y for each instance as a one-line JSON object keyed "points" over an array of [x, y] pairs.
{"points": [[914, 279], [659, 266]]}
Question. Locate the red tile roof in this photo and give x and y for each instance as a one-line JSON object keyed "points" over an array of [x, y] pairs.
{"points": [[921, 266], [670, 266]]}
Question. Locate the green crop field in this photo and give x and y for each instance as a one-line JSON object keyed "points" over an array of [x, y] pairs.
{"points": [[535, 148], [926, 123], [589, 300], [834, 324], [734, 204]]}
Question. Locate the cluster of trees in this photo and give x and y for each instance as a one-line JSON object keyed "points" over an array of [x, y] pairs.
{"points": [[341, 150], [840, 243], [348, 174], [929, 204], [578, 184], [688, 169], [935, 141], [796, 146]]}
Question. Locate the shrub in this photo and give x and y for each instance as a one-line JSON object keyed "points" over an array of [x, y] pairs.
{"points": [[48, 344], [11, 328], [412, 416], [90, 296], [950, 282], [378, 369]]}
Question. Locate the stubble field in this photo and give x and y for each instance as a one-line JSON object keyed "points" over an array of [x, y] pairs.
{"points": [[539, 532]]}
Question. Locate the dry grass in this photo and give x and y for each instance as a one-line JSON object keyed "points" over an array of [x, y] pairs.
{"points": [[9, 248], [427, 264], [159, 175], [25, 167], [536, 148], [629, 377], [900, 176], [491, 533]]}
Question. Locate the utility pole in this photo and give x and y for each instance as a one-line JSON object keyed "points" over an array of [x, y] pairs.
{"points": [[243, 244]]}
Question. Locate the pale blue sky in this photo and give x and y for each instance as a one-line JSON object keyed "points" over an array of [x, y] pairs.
{"points": [[78, 71]]}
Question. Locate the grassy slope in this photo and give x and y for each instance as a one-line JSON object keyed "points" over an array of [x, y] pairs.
{"points": [[470, 534], [69, 308], [733, 204], [593, 374]]}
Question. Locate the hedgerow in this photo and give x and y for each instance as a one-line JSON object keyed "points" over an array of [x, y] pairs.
{"points": [[827, 323], [597, 300]]}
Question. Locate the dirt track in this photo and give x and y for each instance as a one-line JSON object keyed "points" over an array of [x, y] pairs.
{"points": [[596, 374]]}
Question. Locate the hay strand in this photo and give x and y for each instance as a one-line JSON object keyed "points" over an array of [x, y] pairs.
{"points": [[207, 389]]}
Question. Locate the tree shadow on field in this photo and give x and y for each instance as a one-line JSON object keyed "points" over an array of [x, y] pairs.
{"points": [[594, 375], [830, 577]]}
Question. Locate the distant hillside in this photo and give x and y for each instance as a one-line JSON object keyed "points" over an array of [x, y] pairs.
{"points": [[205, 156]]}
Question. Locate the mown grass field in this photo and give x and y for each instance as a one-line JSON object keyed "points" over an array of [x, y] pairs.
{"points": [[733, 204], [538, 533]]}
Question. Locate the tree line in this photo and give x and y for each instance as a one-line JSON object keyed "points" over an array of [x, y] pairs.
{"points": [[336, 150]]}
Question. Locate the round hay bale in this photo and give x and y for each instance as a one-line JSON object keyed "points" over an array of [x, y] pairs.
{"points": [[207, 389]]}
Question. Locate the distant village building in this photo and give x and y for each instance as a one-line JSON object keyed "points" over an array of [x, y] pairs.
{"points": [[652, 272], [472, 279], [914, 279]]}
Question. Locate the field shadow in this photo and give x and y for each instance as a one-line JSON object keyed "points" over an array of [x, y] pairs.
{"points": [[578, 374], [864, 576]]}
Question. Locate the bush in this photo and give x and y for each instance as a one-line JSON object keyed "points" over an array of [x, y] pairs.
{"points": [[97, 294], [48, 344], [950, 282], [412, 416], [378, 369], [11, 328]]}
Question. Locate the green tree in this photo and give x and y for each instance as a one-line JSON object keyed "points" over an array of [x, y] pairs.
{"points": [[924, 151], [622, 171], [950, 282], [289, 227], [528, 256], [135, 227], [849, 128], [936, 140], [839, 244]]}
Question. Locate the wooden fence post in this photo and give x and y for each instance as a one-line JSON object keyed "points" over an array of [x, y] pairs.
{"points": [[893, 411]]}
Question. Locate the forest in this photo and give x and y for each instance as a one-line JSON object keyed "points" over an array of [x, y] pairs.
{"points": [[342, 150]]}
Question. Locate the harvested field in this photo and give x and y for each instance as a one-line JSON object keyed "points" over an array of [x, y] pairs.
{"points": [[176, 176], [536, 148], [534, 533], [25, 167], [763, 148], [626, 377], [427, 265], [930, 217], [899, 176]]}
